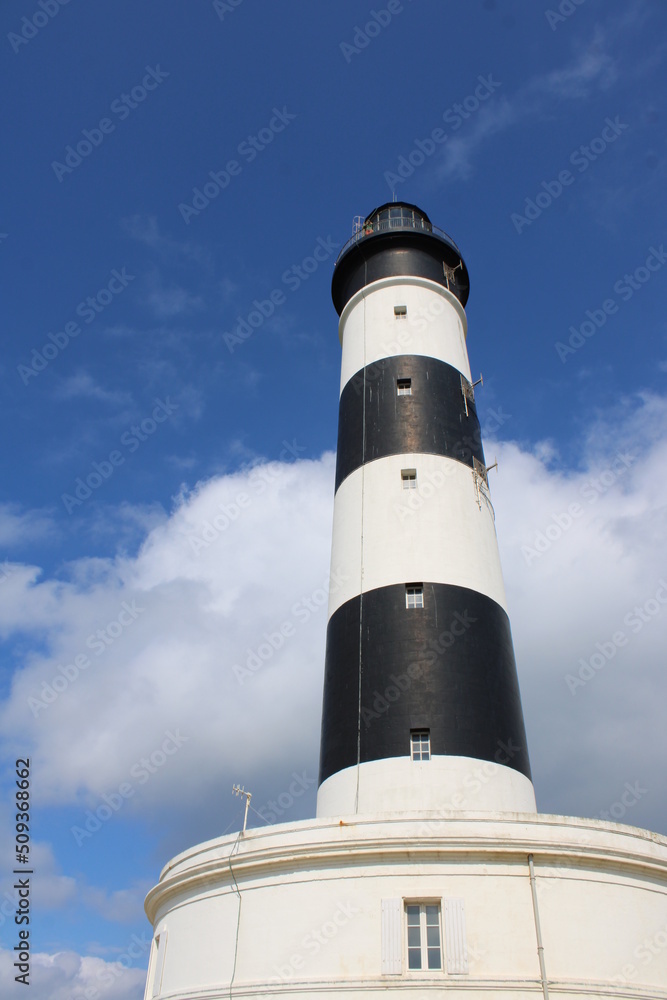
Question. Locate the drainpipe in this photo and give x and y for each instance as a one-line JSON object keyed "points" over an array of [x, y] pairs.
{"points": [[538, 931]]}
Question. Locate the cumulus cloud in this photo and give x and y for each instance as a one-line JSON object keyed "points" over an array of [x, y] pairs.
{"points": [[171, 673], [141, 652], [583, 558], [18, 527], [591, 69], [66, 974]]}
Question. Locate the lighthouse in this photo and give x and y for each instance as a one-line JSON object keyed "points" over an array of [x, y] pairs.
{"points": [[427, 867], [420, 682]]}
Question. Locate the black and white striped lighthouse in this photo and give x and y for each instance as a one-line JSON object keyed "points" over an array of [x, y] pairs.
{"points": [[421, 700], [424, 869]]}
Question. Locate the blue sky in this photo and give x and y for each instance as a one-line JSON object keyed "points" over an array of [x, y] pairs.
{"points": [[172, 336]]}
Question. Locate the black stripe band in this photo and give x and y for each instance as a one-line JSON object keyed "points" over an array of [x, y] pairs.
{"points": [[398, 254], [374, 421], [448, 667]]}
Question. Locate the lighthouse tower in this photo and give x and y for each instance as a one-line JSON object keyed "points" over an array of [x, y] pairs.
{"points": [[420, 684], [427, 868]]}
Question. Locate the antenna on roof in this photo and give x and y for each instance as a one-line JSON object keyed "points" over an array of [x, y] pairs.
{"points": [[248, 795]]}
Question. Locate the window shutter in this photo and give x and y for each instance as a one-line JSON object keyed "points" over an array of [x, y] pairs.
{"points": [[161, 942], [392, 937], [455, 936]]}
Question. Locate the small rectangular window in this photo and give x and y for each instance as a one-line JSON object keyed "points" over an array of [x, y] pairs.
{"points": [[400, 312], [404, 386], [420, 744], [409, 479], [414, 595], [423, 933]]}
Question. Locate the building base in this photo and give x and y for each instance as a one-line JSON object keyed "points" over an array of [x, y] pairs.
{"points": [[319, 908]]}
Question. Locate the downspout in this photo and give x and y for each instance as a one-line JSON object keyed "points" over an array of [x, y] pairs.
{"points": [[538, 931]]}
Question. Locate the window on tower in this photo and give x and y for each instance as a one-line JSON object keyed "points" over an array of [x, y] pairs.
{"points": [[409, 479], [424, 937], [420, 744], [400, 312], [403, 386], [414, 595]]}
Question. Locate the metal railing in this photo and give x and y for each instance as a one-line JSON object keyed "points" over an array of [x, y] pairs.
{"points": [[379, 226]]}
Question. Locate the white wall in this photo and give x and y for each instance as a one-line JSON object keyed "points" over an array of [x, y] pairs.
{"points": [[435, 325], [437, 532], [399, 784], [311, 900]]}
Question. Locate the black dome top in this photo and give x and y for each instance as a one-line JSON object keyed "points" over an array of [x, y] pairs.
{"points": [[398, 238]]}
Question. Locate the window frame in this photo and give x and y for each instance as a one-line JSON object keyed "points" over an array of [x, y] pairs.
{"points": [[409, 479], [423, 925], [417, 752], [403, 386], [414, 590]]}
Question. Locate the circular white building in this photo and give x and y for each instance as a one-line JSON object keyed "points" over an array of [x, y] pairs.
{"points": [[427, 867]]}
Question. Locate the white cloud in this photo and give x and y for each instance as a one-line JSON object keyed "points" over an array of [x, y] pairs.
{"points": [[170, 667], [590, 69], [60, 976], [83, 385], [18, 527], [202, 599], [122, 905], [145, 229], [171, 301], [600, 559]]}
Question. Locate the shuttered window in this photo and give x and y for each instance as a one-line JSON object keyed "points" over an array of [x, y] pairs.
{"points": [[161, 948], [456, 947], [392, 937]]}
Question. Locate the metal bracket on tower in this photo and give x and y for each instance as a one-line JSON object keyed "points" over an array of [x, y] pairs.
{"points": [[248, 795], [468, 390], [449, 272], [480, 471], [480, 475]]}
